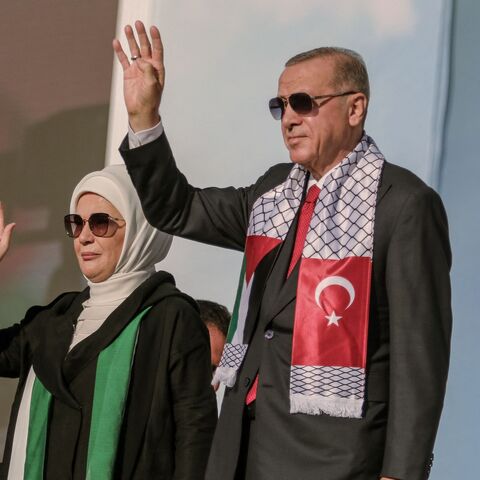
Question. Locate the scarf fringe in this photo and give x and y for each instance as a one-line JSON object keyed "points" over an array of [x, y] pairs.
{"points": [[334, 405], [225, 375]]}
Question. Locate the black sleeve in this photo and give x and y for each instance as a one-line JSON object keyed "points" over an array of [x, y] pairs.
{"points": [[13, 340], [217, 216], [194, 401], [10, 351], [418, 289]]}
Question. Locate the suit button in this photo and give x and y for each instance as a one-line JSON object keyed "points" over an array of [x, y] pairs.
{"points": [[269, 334], [247, 381]]}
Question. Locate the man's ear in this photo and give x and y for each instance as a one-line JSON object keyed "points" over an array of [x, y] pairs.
{"points": [[357, 109]]}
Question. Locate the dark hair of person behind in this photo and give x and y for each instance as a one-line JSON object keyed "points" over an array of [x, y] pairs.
{"points": [[216, 314]]}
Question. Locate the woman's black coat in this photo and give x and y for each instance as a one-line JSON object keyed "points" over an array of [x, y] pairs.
{"points": [[171, 410]]}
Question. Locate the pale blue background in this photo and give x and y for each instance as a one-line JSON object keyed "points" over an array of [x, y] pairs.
{"points": [[458, 446]]}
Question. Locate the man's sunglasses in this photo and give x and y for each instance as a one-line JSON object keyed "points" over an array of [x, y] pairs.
{"points": [[101, 224], [301, 103]]}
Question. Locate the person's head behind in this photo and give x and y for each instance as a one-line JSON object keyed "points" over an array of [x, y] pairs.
{"points": [[320, 136], [217, 319], [110, 233]]}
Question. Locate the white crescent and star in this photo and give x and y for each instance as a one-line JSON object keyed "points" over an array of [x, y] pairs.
{"points": [[333, 318]]}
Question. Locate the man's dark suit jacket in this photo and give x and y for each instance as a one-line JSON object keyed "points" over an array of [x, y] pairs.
{"points": [[409, 329]]}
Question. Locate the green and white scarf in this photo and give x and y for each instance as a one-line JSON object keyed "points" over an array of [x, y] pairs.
{"points": [[112, 381]]}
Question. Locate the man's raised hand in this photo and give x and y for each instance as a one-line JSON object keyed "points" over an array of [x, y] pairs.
{"points": [[144, 77], [5, 233]]}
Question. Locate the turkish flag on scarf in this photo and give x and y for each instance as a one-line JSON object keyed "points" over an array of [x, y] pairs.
{"points": [[332, 311]]}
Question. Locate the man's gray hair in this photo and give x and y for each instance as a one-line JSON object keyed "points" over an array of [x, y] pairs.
{"points": [[350, 69]]}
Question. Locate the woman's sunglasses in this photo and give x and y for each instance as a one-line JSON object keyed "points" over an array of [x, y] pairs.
{"points": [[301, 103], [101, 224]]}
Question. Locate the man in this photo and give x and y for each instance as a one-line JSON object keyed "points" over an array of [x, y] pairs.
{"points": [[217, 318], [337, 355]]}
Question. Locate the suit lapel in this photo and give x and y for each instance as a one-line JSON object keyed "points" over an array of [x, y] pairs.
{"points": [[384, 186], [281, 299], [272, 292], [280, 290], [260, 281]]}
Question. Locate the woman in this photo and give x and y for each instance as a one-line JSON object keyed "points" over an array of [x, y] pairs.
{"points": [[114, 380]]}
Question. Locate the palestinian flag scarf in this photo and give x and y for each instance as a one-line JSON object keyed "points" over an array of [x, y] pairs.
{"points": [[333, 291], [112, 380]]}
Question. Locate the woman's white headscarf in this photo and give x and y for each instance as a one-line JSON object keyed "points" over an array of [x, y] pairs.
{"points": [[143, 247]]}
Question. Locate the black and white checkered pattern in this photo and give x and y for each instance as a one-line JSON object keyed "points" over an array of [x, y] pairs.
{"points": [[345, 382], [232, 356], [342, 223], [343, 219], [273, 213]]}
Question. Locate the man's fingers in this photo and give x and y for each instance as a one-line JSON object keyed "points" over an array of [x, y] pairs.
{"points": [[145, 49], [122, 57], [132, 42], [157, 46]]}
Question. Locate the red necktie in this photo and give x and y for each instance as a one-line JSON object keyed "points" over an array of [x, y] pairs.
{"points": [[303, 224], [302, 229], [252, 393]]}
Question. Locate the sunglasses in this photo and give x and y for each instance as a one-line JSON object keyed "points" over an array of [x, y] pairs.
{"points": [[101, 224], [301, 103]]}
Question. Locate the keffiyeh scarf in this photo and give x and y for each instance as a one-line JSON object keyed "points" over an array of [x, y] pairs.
{"points": [[330, 332]]}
